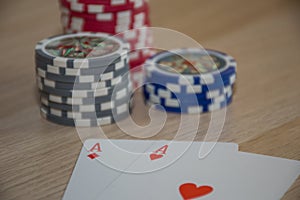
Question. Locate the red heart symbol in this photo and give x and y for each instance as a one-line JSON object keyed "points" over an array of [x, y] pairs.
{"points": [[154, 156], [190, 190]]}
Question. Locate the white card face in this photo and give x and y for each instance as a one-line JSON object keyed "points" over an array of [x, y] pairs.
{"points": [[267, 177], [176, 180], [102, 162]]}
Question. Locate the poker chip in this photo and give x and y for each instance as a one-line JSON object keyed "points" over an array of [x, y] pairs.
{"points": [[75, 28], [82, 86], [189, 88], [217, 66], [113, 67], [86, 115], [184, 104], [125, 19], [186, 96], [83, 79], [104, 77], [78, 93], [122, 93], [76, 24], [101, 6], [111, 18], [189, 80], [102, 107], [83, 122], [191, 109], [101, 49]]}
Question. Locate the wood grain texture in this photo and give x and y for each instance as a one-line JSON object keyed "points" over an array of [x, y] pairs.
{"points": [[37, 157]]}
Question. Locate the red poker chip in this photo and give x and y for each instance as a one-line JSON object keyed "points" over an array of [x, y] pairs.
{"points": [[100, 28], [101, 25], [137, 77], [101, 7], [139, 54], [135, 61], [115, 30], [141, 44], [79, 20], [121, 15], [88, 23], [106, 2], [78, 25], [140, 18]]}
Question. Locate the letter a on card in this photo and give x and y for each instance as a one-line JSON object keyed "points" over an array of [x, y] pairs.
{"points": [[93, 150], [159, 153]]}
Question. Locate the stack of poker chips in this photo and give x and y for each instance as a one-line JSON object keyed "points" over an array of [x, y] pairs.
{"points": [[83, 79], [189, 80], [124, 18]]}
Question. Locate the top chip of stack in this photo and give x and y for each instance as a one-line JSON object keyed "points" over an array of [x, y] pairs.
{"points": [[190, 80], [83, 79]]}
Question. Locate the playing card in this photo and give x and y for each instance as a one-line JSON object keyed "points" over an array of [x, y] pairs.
{"points": [[99, 163], [102, 162], [218, 176]]}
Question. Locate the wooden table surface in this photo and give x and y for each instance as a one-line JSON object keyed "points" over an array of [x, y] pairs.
{"points": [[37, 157]]}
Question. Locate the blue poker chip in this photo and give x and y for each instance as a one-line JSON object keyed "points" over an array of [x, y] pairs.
{"points": [[187, 89], [187, 94], [217, 81], [191, 109], [190, 66], [189, 100]]}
